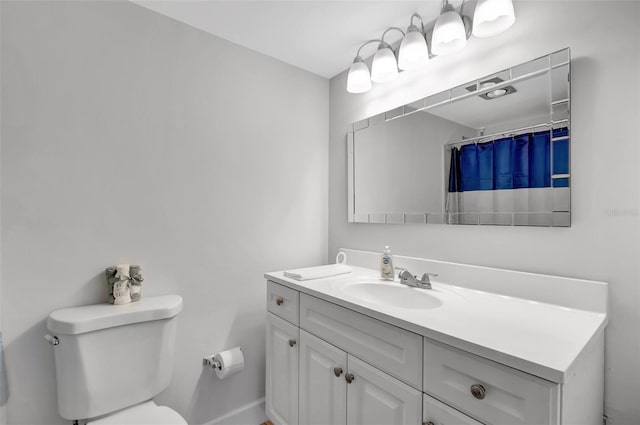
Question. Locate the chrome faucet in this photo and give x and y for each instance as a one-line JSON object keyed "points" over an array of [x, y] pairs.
{"points": [[406, 278]]}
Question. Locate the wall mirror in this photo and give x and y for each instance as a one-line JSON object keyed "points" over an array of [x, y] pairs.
{"points": [[492, 151]]}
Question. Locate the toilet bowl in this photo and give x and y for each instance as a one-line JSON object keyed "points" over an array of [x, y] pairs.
{"points": [[112, 360]]}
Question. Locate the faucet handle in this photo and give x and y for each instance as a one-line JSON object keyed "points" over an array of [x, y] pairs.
{"points": [[426, 276]]}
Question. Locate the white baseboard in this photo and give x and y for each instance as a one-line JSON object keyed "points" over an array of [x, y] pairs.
{"points": [[249, 414]]}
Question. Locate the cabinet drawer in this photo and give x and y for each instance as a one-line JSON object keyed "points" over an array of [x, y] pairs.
{"points": [[437, 413], [396, 351], [283, 302], [502, 395]]}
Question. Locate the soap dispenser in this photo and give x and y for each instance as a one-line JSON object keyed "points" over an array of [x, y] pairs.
{"points": [[386, 265]]}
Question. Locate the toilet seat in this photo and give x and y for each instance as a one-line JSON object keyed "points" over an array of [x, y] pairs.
{"points": [[147, 413]]}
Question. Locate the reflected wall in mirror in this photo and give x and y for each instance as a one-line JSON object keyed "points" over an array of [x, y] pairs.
{"points": [[491, 151]]}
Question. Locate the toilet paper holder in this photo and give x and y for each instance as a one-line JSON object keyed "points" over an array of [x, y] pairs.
{"points": [[211, 362], [225, 363]]}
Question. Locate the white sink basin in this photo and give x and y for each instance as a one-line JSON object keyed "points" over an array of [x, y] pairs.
{"points": [[392, 294]]}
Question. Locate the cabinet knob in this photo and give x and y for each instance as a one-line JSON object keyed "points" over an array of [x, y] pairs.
{"points": [[477, 391], [279, 300], [337, 371], [349, 378], [292, 342]]}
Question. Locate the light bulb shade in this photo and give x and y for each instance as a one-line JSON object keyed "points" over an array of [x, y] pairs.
{"points": [[358, 79], [492, 17], [413, 51], [384, 67], [449, 35]]}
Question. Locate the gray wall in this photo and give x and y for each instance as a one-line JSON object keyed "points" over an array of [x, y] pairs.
{"points": [[604, 240], [130, 137]]}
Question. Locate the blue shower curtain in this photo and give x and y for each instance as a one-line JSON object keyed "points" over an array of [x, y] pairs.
{"points": [[510, 163]]}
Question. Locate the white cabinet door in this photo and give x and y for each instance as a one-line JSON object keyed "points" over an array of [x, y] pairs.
{"points": [[375, 398], [323, 390], [282, 371]]}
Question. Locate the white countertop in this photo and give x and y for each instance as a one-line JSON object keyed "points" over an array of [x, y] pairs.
{"points": [[539, 338]]}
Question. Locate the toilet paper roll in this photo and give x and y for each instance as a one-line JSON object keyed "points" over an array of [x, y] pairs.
{"points": [[231, 362]]}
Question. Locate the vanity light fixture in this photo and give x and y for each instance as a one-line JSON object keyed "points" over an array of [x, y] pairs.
{"points": [[384, 67], [413, 49], [492, 17], [449, 34], [359, 78]]}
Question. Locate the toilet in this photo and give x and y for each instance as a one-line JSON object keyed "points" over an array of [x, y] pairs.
{"points": [[111, 360]]}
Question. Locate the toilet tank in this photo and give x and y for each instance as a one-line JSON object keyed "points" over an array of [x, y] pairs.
{"points": [[109, 357]]}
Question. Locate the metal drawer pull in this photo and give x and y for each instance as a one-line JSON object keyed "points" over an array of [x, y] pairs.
{"points": [[292, 342], [349, 378], [477, 391], [337, 371], [279, 300], [428, 423]]}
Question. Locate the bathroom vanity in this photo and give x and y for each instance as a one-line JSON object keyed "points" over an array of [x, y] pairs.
{"points": [[483, 346]]}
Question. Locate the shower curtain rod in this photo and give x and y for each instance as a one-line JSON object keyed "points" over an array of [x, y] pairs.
{"points": [[505, 133]]}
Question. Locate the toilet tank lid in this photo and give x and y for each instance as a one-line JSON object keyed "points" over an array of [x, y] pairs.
{"points": [[78, 320]]}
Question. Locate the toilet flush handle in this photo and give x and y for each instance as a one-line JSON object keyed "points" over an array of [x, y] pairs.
{"points": [[53, 340]]}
